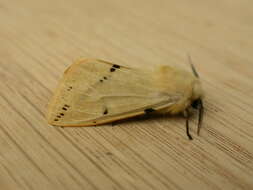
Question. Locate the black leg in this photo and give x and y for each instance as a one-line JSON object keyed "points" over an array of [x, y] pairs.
{"points": [[201, 111], [187, 115]]}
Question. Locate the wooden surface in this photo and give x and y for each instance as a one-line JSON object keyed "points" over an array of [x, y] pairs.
{"points": [[39, 39]]}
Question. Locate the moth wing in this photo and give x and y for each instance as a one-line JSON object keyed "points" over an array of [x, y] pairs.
{"points": [[94, 92]]}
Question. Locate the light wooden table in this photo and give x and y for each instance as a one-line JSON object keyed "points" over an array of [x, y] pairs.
{"points": [[39, 39]]}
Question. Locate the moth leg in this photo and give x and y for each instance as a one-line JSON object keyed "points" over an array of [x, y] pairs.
{"points": [[201, 112], [187, 116]]}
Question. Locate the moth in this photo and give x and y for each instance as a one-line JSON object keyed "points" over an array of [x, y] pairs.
{"points": [[94, 92]]}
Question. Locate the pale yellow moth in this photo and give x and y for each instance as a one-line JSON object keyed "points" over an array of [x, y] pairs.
{"points": [[94, 92]]}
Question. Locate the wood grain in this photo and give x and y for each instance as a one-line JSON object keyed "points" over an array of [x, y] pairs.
{"points": [[39, 39]]}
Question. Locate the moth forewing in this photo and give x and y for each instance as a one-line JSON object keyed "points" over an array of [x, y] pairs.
{"points": [[94, 92]]}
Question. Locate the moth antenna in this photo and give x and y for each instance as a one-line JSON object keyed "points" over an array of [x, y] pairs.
{"points": [[187, 115], [192, 66], [201, 111]]}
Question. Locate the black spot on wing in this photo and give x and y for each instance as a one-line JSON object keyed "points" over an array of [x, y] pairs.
{"points": [[149, 110], [102, 80], [60, 115], [106, 111], [116, 66], [112, 69], [65, 107]]}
